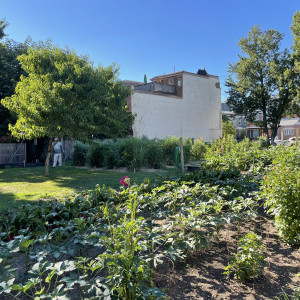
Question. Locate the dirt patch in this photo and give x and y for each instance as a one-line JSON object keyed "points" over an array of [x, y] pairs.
{"points": [[201, 276]]}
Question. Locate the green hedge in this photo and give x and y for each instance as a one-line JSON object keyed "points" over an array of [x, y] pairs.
{"points": [[130, 152], [80, 154]]}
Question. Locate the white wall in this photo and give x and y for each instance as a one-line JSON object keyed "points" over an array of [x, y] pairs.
{"points": [[196, 114]]}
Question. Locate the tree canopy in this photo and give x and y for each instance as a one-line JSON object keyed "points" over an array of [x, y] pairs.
{"points": [[63, 94], [3, 24], [261, 80], [296, 51], [10, 72]]}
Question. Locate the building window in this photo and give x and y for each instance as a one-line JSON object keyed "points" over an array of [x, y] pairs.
{"points": [[254, 133], [179, 82], [288, 131]]}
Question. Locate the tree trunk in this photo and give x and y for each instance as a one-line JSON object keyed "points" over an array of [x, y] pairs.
{"points": [[274, 133], [265, 118], [50, 148], [47, 162]]}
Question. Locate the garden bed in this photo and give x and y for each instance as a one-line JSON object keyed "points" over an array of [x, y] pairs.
{"points": [[201, 277], [173, 238]]}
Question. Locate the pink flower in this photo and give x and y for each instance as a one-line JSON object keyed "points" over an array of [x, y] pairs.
{"points": [[125, 181]]}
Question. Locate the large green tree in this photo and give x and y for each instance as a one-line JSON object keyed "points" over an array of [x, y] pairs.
{"points": [[63, 94], [261, 80], [10, 72], [296, 54]]}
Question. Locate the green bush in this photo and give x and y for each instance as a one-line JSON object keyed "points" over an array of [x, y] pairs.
{"points": [[80, 154], [187, 144], [227, 152], [153, 156], [282, 192], [248, 262], [132, 153], [198, 149], [113, 157], [263, 142], [228, 128], [169, 146], [96, 155]]}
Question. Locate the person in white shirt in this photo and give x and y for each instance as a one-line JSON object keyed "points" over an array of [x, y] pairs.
{"points": [[57, 153]]}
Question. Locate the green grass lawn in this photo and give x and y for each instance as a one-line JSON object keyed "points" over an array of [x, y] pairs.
{"points": [[24, 185]]}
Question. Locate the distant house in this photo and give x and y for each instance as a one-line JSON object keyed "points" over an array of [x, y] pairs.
{"points": [[253, 131], [288, 127], [179, 104], [238, 121]]}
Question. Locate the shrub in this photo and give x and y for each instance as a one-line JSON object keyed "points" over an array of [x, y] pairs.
{"points": [[132, 154], [263, 142], [198, 149], [80, 154], [282, 192], [153, 156], [228, 128], [248, 262], [112, 157], [245, 155], [187, 144], [169, 147], [96, 156]]}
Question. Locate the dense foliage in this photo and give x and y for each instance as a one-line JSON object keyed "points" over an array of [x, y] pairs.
{"points": [[110, 242], [198, 149], [262, 79], [79, 155], [228, 128], [10, 72], [64, 94], [100, 245], [249, 260], [296, 52], [281, 188], [132, 153]]}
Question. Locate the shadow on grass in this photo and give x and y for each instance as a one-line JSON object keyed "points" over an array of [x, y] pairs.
{"points": [[10, 201], [30, 184], [73, 177]]}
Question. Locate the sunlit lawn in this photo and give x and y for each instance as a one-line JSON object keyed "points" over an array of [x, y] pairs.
{"points": [[21, 185]]}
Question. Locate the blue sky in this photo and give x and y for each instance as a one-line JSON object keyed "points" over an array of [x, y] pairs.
{"points": [[149, 37]]}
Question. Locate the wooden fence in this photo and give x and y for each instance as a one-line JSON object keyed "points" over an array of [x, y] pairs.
{"points": [[7, 152], [68, 148]]}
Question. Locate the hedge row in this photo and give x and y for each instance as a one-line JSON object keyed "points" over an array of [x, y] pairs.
{"points": [[132, 153]]}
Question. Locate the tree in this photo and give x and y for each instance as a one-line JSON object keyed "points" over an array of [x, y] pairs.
{"points": [[295, 28], [65, 95], [228, 128], [10, 72], [261, 80], [145, 78], [3, 25]]}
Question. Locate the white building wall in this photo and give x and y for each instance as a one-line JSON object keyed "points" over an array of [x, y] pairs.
{"points": [[197, 114]]}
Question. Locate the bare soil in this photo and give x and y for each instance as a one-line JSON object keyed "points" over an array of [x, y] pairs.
{"points": [[201, 275]]}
